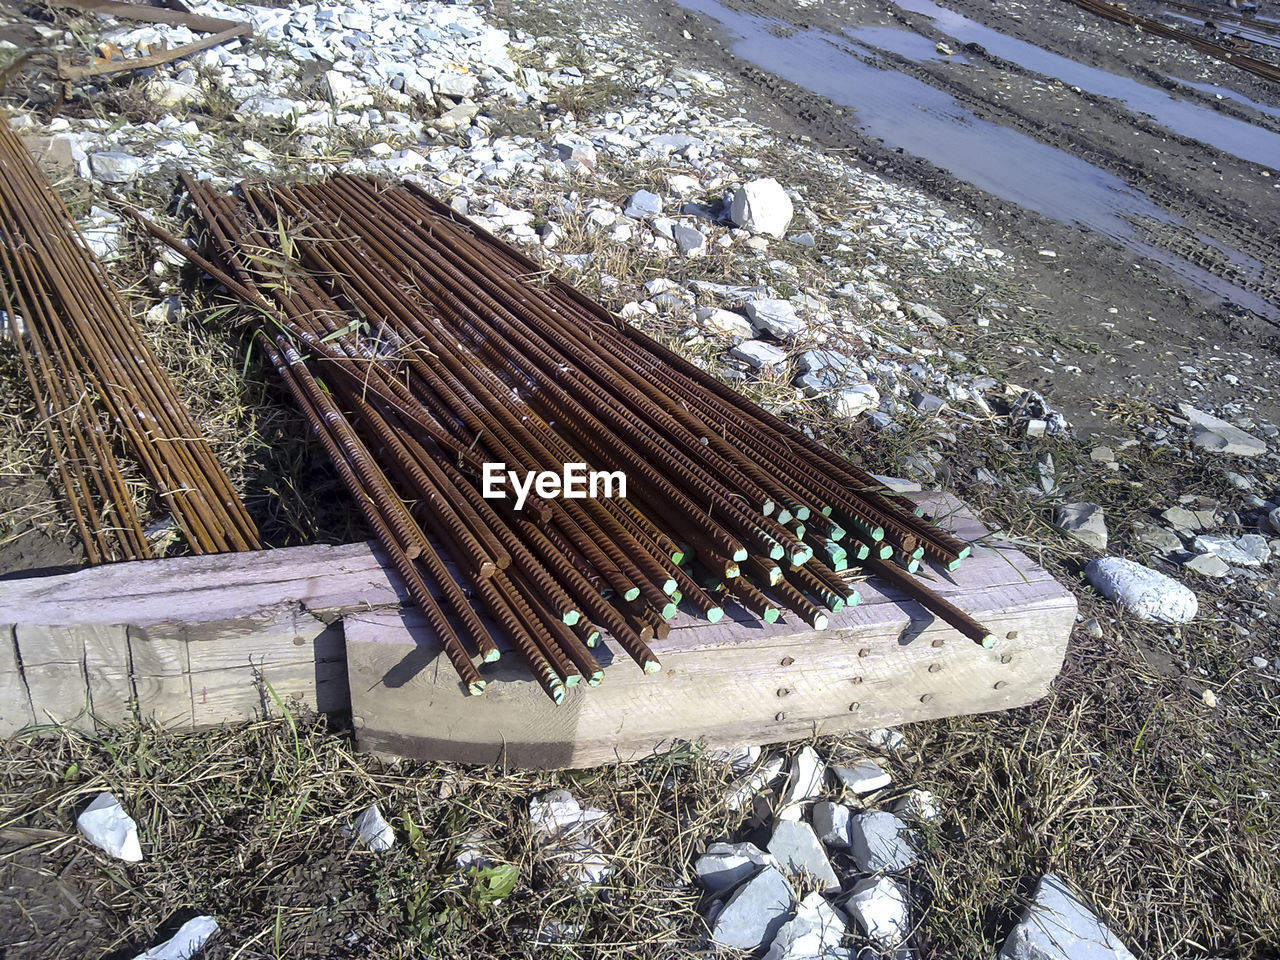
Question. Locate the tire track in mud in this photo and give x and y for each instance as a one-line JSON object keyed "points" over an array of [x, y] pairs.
{"points": [[1097, 135]]}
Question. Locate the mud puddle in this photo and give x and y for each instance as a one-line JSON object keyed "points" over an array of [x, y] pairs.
{"points": [[1228, 94], [910, 115], [1228, 134]]}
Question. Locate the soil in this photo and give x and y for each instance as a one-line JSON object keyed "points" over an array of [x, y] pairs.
{"points": [[1128, 324]]}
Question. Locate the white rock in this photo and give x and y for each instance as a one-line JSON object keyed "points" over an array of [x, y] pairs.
{"points": [[454, 84], [755, 912], [1251, 550], [1208, 565], [776, 317], [184, 944], [1146, 593], [804, 782], [880, 842], [1057, 926], [814, 933], [758, 353], [879, 905], [105, 824], [745, 788], [800, 853], [724, 322], [690, 241], [1273, 520], [172, 93], [918, 805], [886, 738], [270, 108], [856, 400], [1218, 436], [112, 166], [374, 831], [761, 206], [643, 204], [725, 865], [865, 776], [1083, 522], [831, 822]]}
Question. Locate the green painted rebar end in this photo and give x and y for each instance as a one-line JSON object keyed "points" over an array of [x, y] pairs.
{"points": [[826, 510], [802, 556], [917, 553], [836, 604], [918, 511], [677, 598], [572, 617], [777, 552], [802, 513], [771, 615], [593, 638], [768, 507], [678, 558], [798, 531], [863, 552], [821, 621], [840, 565], [669, 611], [475, 688], [492, 656], [886, 551], [573, 679], [854, 599], [954, 565], [652, 666], [669, 586], [557, 695], [739, 555], [837, 533], [964, 552], [631, 594], [595, 678], [732, 570], [989, 641], [715, 614]]}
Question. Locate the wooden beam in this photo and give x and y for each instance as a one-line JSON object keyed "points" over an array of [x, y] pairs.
{"points": [[884, 662]]}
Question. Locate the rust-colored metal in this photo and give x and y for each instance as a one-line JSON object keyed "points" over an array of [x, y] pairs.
{"points": [[97, 384], [459, 358]]}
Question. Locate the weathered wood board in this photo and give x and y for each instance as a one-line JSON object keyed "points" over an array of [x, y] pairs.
{"points": [[199, 641], [189, 642], [884, 662]]}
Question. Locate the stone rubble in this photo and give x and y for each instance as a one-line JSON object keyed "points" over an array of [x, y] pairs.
{"points": [[755, 912], [865, 776], [800, 854], [1057, 926], [879, 905]]}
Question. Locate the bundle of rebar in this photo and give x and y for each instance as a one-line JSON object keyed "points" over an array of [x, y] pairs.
{"points": [[422, 348], [98, 385]]}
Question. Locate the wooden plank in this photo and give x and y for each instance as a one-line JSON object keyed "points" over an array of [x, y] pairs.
{"points": [[109, 672], [205, 589], [162, 674], [15, 701], [53, 666], [886, 661]]}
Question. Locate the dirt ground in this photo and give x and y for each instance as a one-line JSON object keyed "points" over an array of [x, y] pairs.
{"points": [[1129, 326]]}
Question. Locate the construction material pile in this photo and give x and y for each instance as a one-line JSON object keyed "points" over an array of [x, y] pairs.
{"points": [[97, 383], [422, 349]]}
